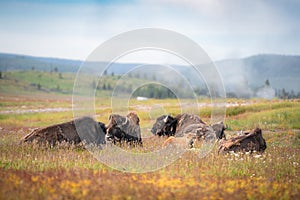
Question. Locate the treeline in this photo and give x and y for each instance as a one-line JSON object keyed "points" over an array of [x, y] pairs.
{"points": [[280, 94], [55, 81], [161, 92], [283, 94], [154, 91], [157, 91], [276, 93]]}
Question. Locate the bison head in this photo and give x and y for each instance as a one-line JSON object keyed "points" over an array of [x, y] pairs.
{"points": [[260, 140], [219, 129], [164, 126], [124, 128], [115, 134], [133, 118]]}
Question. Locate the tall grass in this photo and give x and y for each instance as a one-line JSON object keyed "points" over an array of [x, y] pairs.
{"points": [[29, 171]]}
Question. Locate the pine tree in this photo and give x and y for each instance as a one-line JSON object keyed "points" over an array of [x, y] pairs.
{"points": [[283, 94], [267, 83]]}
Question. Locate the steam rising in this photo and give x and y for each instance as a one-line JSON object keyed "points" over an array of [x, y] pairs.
{"points": [[266, 92]]}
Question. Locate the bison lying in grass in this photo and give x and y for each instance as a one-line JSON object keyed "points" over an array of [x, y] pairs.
{"points": [[189, 126], [249, 141], [122, 128], [75, 131], [165, 125], [184, 129]]}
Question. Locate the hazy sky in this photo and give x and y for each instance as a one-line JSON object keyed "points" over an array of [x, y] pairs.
{"points": [[224, 28]]}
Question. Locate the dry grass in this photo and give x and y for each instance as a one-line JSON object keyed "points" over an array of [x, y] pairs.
{"points": [[28, 171]]}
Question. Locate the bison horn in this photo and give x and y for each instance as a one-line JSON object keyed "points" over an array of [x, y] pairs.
{"points": [[125, 121], [166, 119]]}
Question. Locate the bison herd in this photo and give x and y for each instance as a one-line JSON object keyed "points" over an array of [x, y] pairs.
{"points": [[127, 129]]}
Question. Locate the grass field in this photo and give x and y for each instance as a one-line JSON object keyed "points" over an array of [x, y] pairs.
{"points": [[28, 171]]}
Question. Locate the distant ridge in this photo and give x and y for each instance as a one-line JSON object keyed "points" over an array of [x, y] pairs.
{"points": [[9, 62], [239, 75]]}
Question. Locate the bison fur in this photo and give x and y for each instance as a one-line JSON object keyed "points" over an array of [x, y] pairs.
{"points": [[124, 128], [81, 129]]}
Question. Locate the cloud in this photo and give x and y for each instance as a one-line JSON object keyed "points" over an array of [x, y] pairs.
{"points": [[224, 29]]}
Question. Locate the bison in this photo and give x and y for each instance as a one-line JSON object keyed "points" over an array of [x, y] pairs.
{"points": [[219, 129], [250, 141], [187, 124], [165, 125], [122, 128], [81, 129]]}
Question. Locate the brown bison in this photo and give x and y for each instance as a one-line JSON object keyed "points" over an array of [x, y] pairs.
{"points": [[249, 141], [122, 128], [187, 124], [75, 131], [165, 125]]}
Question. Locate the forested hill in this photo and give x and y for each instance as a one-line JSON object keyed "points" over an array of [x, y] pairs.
{"points": [[282, 71]]}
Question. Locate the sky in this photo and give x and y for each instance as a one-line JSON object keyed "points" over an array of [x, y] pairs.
{"points": [[223, 28]]}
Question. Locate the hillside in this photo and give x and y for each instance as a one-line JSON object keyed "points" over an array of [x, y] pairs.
{"points": [[241, 77], [245, 75], [10, 62], [39, 82]]}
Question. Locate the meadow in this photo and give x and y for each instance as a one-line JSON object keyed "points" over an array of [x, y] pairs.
{"points": [[29, 171]]}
